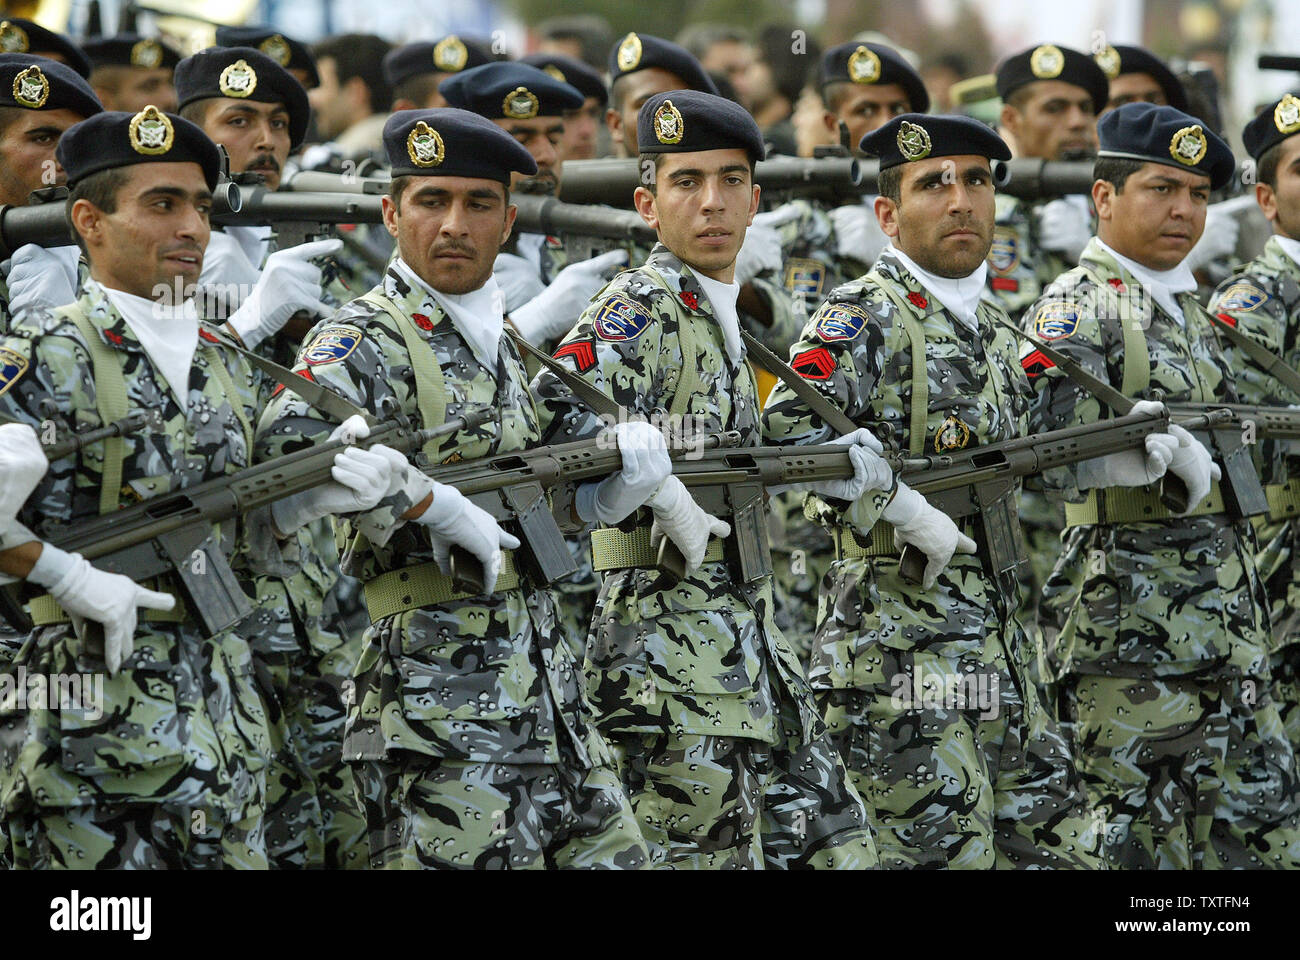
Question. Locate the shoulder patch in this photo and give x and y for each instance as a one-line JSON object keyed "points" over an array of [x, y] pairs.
{"points": [[1056, 320], [331, 345], [12, 367], [620, 318], [1004, 254], [804, 278], [840, 321], [583, 353], [815, 364], [1242, 296]]}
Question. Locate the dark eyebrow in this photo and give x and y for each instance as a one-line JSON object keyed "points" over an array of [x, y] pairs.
{"points": [[935, 176], [45, 131], [441, 193], [176, 193], [1175, 182], [695, 172]]}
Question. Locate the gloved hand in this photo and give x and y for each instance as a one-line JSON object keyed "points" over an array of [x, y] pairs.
{"points": [[645, 466], [857, 232], [1193, 463], [517, 279], [1131, 468], [679, 518], [107, 598], [22, 464], [289, 282], [454, 521], [1064, 227], [361, 479], [931, 531], [226, 264], [870, 471], [39, 280], [554, 311], [762, 249], [1222, 229]]}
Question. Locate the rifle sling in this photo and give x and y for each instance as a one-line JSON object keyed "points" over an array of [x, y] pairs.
{"points": [[1273, 365], [831, 415], [584, 390], [1099, 388]]}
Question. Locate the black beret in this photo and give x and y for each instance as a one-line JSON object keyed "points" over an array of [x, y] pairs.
{"points": [[510, 91], [870, 63], [24, 36], [119, 139], [640, 51], [1119, 60], [286, 51], [1274, 124], [1144, 131], [44, 85], [447, 142], [130, 50], [567, 70], [242, 73], [1049, 62], [688, 121], [916, 136], [451, 54]]}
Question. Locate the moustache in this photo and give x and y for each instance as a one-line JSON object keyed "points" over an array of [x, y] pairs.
{"points": [[543, 182], [264, 161], [454, 248]]}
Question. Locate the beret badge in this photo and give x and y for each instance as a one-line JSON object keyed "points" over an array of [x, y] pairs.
{"points": [[277, 48], [669, 126], [151, 132], [1046, 62], [629, 52], [554, 72], [450, 54], [520, 104], [31, 89], [424, 146], [147, 53], [238, 80], [1109, 61], [13, 38], [913, 141], [1189, 145], [1286, 115], [864, 66]]}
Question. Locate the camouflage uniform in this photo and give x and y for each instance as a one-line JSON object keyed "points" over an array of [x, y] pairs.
{"points": [[721, 748], [981, 778], [173, 773], [1163, 647], [1263, 301], [470, 739]]}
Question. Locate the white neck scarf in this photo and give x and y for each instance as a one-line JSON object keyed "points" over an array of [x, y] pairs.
{"points": [[723, 296], [1290, 247], [961, 295], [1160, 284], [169, 335], [479, 315]]}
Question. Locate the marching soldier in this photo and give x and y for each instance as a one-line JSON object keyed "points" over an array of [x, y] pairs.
{"points": [[415, 72], [1262, 301], [581, 126], [129, 72], [1162, 654], [726, 762], [471, 740], [983, 778]]}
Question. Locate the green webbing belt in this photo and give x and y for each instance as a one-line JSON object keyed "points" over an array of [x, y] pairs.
{"points": [[849, 543], [218, 367], [1283, 500], [1134, 505], [45, 610], [424, 585], [618, 550]]}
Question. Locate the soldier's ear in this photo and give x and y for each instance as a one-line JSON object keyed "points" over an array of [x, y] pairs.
{"points": [[1103, 191], [1267, 201], [86, 220], [644, 201], [390, 215], [887, 216], [511, 212]]}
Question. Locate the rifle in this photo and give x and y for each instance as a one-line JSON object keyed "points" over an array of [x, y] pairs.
{"points": [[613, 181], [172, 533]]}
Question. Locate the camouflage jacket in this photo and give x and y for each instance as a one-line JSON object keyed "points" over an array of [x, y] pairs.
{"points": [[182, 722], [491, 680], [705, 656], [1171, 596], [1019, 269], [858, 350]]}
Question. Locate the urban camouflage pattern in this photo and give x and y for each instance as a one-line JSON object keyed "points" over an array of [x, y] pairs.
{"points": [[951, 782], [183, 723]]}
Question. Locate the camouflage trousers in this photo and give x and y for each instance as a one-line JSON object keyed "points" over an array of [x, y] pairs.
{"points": [[1187, 772], [796, 584], [575, 598], [134, 837], [1041, 523], [441, 813], [1285, 665]]}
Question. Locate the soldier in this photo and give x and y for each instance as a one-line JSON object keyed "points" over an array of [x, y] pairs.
{"points": [[294, 55], [581, 126], [415, 72], [39, 99], [921, 684], [1162, 654], [171, 771], [471, 741], [352, 100], [26, 36], [129, 72], [641, 66], [254, 108], [724, 757], [1262, 301]]}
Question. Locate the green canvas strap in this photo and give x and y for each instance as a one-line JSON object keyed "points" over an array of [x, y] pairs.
{"points": [[424, 585], [110, 401], [920, 405], [430, 385], [218, 367], [614, 549], [688, 377]]}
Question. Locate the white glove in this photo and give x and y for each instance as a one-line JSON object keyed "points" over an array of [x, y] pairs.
{"points": [[683, 521], [107, 598], [931, 531], [404, 478], [289, 282], [1193, 463], [554, 311], [763, 249], [870, 471], [1064, 227], [22, 464], [518, 280], [645, 466], [454, 521], [40, 280], [1131, 468], [226, 263], [857, 232], [361, 479], [1222, 228]]}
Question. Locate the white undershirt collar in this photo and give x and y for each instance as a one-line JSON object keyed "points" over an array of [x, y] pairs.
{"points": [[1160, 284], [169, 335], [961, 295], [722, 297], [479, 315]]}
